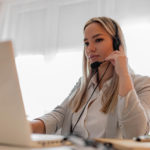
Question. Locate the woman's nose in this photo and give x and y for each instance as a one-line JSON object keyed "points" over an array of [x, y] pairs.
{"points": [[91, 47]]}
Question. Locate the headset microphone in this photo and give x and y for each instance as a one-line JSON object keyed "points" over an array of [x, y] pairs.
{"points": [[96, 64]]}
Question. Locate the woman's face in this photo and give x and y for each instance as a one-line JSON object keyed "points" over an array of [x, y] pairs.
{"points": [[98, 43]]}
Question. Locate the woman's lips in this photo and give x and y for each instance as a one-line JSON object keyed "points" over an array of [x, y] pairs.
{"points": [[93, 57]]}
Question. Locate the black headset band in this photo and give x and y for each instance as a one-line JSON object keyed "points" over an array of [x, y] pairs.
{"points": [[116, 40], [116, 30]]}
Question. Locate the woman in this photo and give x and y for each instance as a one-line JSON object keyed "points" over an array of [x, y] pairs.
{"points": [[109, 100]]}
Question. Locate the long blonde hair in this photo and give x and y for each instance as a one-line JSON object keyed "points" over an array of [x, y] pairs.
{"points": [[110, 95]]}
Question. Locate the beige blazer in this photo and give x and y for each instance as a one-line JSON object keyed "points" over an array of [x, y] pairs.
{"points": [[132, 119]]}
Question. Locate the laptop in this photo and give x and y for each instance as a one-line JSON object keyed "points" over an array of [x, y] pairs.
{"points": [[14, 126]]}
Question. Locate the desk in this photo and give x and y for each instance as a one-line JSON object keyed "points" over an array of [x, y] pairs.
{"points": [[117, 144]]}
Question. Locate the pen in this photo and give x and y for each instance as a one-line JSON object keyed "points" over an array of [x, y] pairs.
{"points": [[144, 138]]}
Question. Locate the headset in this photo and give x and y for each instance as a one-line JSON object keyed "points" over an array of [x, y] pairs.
{"points": [[95, 65], [116, 40]]}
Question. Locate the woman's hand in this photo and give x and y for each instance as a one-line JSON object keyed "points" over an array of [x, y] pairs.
{"points": [[37, 126], [119, 60]]}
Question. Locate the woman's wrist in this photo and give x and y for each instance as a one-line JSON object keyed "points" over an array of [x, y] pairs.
{"points": [[125, 84]]}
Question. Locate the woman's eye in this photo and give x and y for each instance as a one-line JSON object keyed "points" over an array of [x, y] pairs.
{"points": [[86, 43], [99, 40]]}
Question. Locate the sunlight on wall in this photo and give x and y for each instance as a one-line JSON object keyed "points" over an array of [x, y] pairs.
{"points": [[45, 84]]}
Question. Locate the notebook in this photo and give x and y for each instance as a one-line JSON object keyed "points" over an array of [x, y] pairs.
{"points": [[14, 126]]}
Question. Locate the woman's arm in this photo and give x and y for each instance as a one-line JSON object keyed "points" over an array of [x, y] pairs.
{"points": [[134, 99], [133, 109], [120, 63]]}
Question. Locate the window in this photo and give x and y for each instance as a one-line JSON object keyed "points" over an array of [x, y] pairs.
{"points": [[138, 48], [45, 84]]}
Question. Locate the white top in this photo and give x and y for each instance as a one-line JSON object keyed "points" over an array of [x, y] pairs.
{"points": [[93, 122]]}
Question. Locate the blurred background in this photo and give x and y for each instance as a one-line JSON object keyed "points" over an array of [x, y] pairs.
{"points": [[48, 42]]}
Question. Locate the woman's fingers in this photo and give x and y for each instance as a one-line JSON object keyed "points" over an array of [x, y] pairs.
{"points": [[119, 60]]}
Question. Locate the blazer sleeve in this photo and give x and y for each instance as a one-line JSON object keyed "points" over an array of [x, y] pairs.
{"points": [[133, 110], [54, 119]]}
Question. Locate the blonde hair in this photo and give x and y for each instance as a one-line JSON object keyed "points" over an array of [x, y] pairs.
{"points": [[110, 95]]}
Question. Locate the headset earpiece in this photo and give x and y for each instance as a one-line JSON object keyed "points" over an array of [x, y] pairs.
{"points": [[116, 43]]}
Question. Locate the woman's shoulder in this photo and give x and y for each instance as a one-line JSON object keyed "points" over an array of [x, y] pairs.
{"points": [[140, 78], [75, 88], [141, 81]]}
